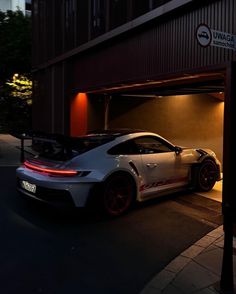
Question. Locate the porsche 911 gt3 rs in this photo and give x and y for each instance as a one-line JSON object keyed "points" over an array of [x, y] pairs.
{"points": [[113, 169]]}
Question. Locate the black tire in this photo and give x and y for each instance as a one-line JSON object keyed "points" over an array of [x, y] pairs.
{"points": [[206, 176], [118, 194]]}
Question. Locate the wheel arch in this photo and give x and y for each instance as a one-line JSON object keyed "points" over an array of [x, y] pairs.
{"points": [[200, 161], [124, 173], [98, 187], [204, 158]]}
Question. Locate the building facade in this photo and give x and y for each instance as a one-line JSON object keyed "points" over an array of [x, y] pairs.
{"points": [[23, 5], [152, 64]]}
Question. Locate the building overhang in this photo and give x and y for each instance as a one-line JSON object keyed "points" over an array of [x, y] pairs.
{"points": [[185, 83]]}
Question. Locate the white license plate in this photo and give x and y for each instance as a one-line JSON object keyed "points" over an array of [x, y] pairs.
{"points": [[28, 186]]}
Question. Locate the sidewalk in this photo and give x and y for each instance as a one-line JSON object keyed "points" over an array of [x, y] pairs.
{"points": [[9, 150], [196, 270]]}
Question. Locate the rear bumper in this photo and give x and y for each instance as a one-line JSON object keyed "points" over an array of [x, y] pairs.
{"points": [[53, 197], [56, 191]]}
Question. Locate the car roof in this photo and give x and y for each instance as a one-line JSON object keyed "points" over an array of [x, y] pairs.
{"points": [[114, 132]]}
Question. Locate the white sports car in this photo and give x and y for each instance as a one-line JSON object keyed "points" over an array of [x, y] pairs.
{"points": [[112, 169]]}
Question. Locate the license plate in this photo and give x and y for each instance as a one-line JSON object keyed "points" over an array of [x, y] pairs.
{"points": [[28, 186]]}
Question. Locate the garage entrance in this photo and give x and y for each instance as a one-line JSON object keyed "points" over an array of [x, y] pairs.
{"points": [[194, 120], [187, 110]]}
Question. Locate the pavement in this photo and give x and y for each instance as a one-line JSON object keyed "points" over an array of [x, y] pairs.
{"points": [[9, 150], [196, 270]]}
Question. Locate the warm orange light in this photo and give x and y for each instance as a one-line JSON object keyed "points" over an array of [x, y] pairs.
{"points": [[78, 117]]}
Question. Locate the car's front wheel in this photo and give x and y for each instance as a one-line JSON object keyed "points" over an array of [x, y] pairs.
{"points": [[206, 176], [118, 194]]}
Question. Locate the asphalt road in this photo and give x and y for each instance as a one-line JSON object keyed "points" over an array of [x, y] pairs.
{"points": [[45, 251]]}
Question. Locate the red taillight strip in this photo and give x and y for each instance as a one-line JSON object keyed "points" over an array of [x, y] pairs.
{"points": [[55, 172]]}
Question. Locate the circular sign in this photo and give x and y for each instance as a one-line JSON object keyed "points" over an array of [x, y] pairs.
{"points": [[203, 35]]}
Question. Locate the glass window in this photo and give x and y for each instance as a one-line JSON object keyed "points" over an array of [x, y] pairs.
{"points": [[140, 7], [118, 13], [58, 27], [157, 3], [82, 18], [28, 5], [150, 145], [69, 17], [142, 145], [125, 148], [97, 18]]}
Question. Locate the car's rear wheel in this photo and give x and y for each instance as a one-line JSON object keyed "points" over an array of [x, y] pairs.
{"points": [[118, 194], [206, 176]]}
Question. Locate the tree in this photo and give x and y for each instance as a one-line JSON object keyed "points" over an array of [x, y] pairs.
{"points": [[21, 87], [15, 44], [15, 71]]}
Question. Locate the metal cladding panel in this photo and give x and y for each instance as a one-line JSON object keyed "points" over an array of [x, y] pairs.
{"points": [[42, 105], [166, 45]]}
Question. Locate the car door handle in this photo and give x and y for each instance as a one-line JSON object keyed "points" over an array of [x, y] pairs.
{"points": [[151, 165]]}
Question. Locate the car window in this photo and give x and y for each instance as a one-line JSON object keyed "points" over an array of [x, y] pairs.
{"points": [[126, 148], [149, 145], [142, 145]]}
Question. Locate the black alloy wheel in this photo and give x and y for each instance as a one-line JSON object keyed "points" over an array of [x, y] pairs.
{"points": [[206, 177], [118, 194]]}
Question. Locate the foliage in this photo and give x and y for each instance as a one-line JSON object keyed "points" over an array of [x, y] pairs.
{"points": [[21, 87], [15, 115], [15, 57], [15, 40]]}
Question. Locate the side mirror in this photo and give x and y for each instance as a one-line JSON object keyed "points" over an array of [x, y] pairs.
{"points": [[178, 150]]}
